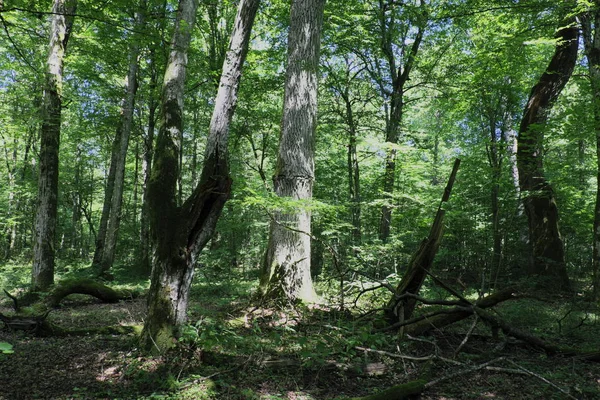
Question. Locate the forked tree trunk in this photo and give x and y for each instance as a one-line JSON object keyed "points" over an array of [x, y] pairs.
{"points": [[286, 270], [591, 36], [180, 233], [42, 275], [548, 258]]}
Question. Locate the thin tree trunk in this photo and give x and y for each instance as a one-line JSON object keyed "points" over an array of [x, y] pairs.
{"points": [[180, 233], [591, 38], [42, 275], [548, 258], [495, 158], [108, 194], [122, 138], [399, 77], [145, 265], [286, 269], [353, 171]]}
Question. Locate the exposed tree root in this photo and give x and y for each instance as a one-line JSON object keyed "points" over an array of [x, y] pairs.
{"points": [[87, 286], [33, 319]]}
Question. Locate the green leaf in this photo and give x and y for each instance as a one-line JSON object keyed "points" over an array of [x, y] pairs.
{"points": [[6, 348]]}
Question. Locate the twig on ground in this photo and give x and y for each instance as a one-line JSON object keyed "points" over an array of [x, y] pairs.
{"points": [[528, 372], [464, 341], [463, 372]]}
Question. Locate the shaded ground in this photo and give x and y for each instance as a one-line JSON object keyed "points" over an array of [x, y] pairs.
{"points": [[232, 352]]}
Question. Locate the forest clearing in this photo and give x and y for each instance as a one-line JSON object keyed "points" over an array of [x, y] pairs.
{"points": [[300, 199]]}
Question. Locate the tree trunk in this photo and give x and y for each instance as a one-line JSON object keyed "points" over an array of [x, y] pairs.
{"points": [[145, 265], [286, 269], [353, 169], [42, 275], [592, 50], [548, 258], [120, 155], [180, 233], [399, 76]]}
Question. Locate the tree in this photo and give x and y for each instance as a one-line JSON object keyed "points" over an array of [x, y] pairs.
{"points": [[181, 232], [286, 269], [548, 258], [591, 37], [111, 212], [399, 70], [42, 275]]}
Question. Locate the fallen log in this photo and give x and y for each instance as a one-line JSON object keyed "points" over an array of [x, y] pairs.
{"points": [[86, 286]]}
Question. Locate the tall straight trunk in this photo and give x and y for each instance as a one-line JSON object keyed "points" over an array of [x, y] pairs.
{"points": [[548, 258], [591, 36], [11, 226], [144, 263], [399, 77], [42, 275], [75, 240], [106, 251], [353, 169], [181, 232], [495, 159], [286, 269], [108, 194]]}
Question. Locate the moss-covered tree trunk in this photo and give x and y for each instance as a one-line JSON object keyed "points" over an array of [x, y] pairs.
{"points": [[286, 270], [180, 233], [42, 275], [548, 258]]}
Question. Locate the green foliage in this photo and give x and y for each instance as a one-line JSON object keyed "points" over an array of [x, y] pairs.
{"points": [[6, 348]]}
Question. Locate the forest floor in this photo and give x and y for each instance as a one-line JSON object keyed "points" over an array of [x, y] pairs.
{"points": [[232, 351]]}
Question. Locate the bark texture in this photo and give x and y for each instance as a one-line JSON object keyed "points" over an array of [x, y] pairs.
{"points": [[42, 275], [180, 233], [106, 246], [286, 269], [591, 35], [548, 259]]}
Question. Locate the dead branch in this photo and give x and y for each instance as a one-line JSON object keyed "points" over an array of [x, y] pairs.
{"points": [[528, 372], [463, 372], [421, 261], [464, 341], [459, 314], [517, 333]]}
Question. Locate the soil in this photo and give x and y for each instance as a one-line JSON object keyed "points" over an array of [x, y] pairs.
{"points": [[110, 367]]}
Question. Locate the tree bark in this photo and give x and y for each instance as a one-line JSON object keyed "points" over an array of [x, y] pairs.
{"points": [[399, 77], [286, 269], [180, 233], [591, 37], [144, 263], [42, 275], [119, 157], [548, 258]]}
